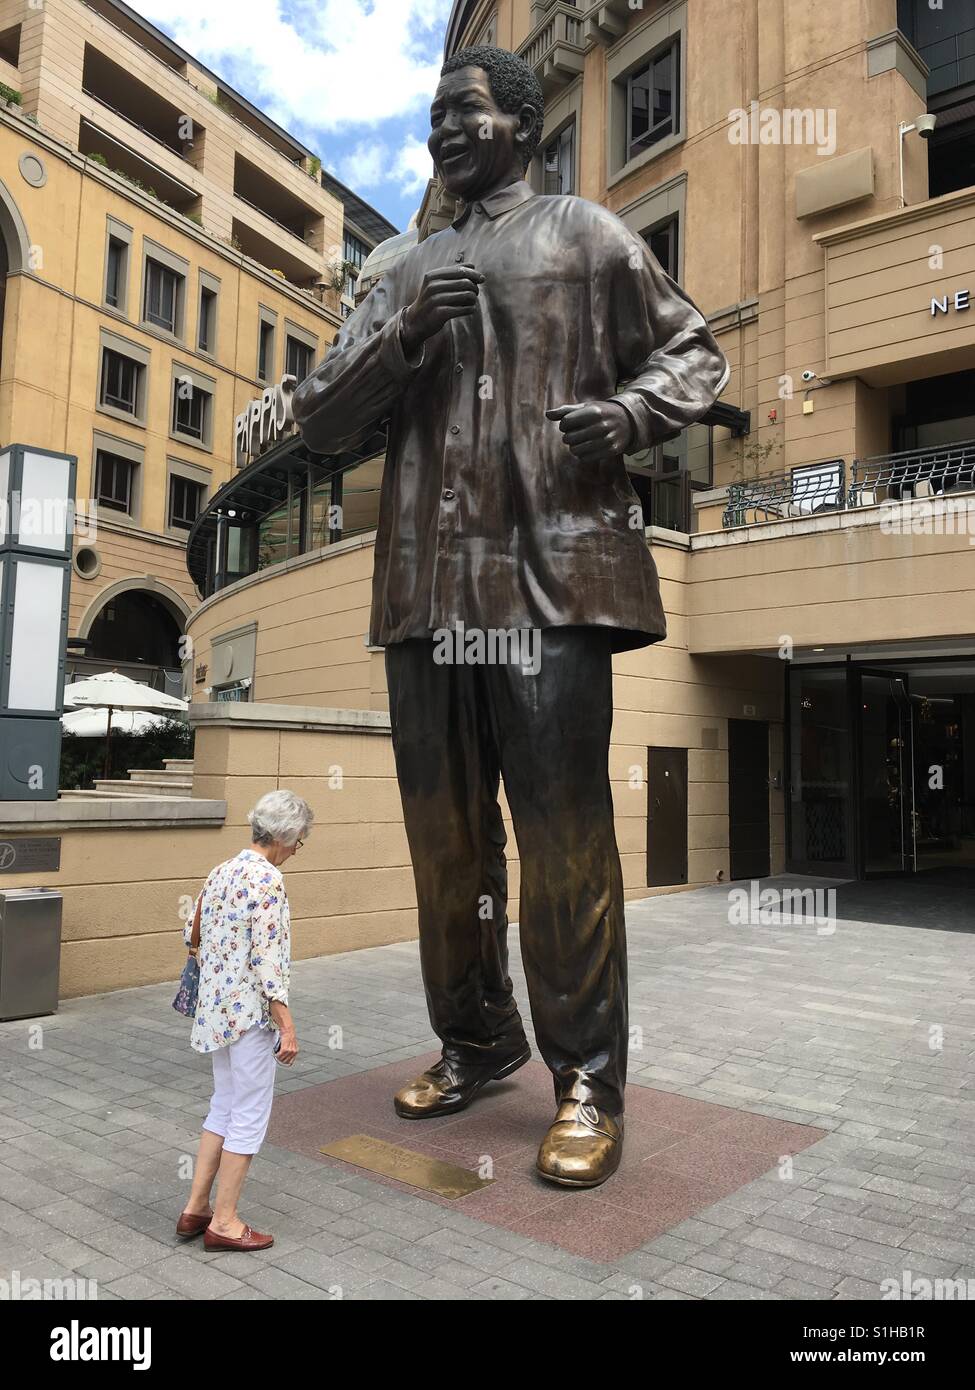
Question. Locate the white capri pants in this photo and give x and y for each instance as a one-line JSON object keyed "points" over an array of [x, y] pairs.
{"points": [[243, 1090]]}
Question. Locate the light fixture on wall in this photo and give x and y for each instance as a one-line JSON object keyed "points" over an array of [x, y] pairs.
{"points": [[924, 125], [36, 528]]}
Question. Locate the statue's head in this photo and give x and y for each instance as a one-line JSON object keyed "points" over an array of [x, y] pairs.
{"points": [[486, 120]]}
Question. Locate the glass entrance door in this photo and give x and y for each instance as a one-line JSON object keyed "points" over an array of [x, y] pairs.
{"points": [[886, 759], [821, 824]]}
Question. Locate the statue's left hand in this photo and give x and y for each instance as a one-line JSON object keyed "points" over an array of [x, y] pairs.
{"points": [[594, 432]]}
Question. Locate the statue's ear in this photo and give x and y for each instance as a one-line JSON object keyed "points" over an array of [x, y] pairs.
{"points": [[526, 123]]}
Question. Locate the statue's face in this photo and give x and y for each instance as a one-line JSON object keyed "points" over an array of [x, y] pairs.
{"points": [[474, 145]]}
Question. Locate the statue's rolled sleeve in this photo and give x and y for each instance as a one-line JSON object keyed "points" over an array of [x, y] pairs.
{"points": [[671, 369]]}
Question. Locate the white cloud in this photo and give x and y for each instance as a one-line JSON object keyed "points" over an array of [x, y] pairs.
{"points": [[321, 64], [372, 163], [367, 166], [413, 165]]}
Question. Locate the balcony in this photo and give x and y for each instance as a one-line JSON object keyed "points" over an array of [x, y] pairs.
{"points": [[261, 127], [556, 48], [864, 555], [114, 87], [606, 23], [303, 268], [832, 486], [10, 57], [112, 154], [139, 32], [277, 203]]}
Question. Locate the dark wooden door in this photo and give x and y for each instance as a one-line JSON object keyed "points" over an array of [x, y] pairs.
{"points": [[748, 777], [666, 816]]}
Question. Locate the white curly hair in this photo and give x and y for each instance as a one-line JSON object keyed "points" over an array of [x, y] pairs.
{"points": [[281, 817]]}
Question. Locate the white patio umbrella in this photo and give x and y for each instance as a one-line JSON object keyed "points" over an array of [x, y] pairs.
{"points": [[93, 723], [112, 691]]}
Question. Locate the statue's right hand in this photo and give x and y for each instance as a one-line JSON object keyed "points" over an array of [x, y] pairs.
{"points": [[449, 292]]}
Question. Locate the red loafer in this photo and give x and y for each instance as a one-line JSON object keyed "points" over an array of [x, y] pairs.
{"points": [[190, 1225], [248, 1240]]}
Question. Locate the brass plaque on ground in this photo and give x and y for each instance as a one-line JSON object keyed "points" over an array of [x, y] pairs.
{"points": [[418, 1170]]}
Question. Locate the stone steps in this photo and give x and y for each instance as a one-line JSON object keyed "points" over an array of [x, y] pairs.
{"points": [[174, 782], [145, 785], [74, 794]]}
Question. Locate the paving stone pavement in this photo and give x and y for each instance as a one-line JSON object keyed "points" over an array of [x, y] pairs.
{"points": [[865, 1031]]}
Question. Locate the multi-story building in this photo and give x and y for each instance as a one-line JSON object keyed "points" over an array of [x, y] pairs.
{"points": [[167, 254], [809, 175]]}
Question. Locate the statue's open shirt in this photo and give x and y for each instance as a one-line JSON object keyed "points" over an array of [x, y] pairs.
{"points": [[486, 518]]}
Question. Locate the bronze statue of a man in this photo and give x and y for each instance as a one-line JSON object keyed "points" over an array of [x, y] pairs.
{"points": [[517, 355]]}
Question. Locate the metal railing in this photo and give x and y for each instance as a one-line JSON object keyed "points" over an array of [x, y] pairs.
{"points": [[927, 472], [801, 492], [832, 485], [137, 125]]}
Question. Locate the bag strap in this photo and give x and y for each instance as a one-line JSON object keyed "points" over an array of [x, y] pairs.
{"points": [[195, 934]]}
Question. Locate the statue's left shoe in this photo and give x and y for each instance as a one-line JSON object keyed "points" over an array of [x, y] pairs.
{"points": [[583, 1147]]}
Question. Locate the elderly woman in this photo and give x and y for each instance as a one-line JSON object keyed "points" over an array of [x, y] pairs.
{"points": [[242, 1015]]}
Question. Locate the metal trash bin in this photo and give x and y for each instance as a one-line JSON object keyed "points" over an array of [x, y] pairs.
{"points": [[30, 952]]}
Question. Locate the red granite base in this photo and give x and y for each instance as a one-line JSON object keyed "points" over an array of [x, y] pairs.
{"points": [[681, 1155]]}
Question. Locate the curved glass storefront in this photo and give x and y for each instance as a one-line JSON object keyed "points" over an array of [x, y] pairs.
{"points": [[287, 502]]}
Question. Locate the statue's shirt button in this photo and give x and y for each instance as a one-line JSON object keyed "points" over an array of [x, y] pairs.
{"points": [[455, 429]]}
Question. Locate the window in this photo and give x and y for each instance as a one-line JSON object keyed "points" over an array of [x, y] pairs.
{"points": [[120, 382], [118, 242], [116, 272], [663, 242], [558, 163], [163, 288], [653, 101], [185, 501], [191, 409], [944, 35], [113, 481], [298, 357], [207, 333], [265, 350], [355, 252]]}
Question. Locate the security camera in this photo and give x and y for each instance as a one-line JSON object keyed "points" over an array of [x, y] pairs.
{"points": [[809, 376], [925, 126]]}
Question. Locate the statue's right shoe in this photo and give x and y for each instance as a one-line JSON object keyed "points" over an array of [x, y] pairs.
{"points": [[451, 1086]]}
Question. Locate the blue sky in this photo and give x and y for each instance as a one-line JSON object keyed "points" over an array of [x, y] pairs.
{"points": [[351, 79]]}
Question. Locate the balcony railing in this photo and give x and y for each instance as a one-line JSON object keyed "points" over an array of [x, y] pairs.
{"points": [[835, 486], [913, 473], [802, 492], [556, 48]]}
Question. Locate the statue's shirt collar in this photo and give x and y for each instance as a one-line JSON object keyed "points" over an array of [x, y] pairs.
{"points": [[496, 203]]}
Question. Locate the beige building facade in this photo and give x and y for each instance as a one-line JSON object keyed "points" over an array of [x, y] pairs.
{"points": [[168, 254]]}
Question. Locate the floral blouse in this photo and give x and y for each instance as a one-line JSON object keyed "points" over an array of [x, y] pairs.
{"points": [[245, 950]]}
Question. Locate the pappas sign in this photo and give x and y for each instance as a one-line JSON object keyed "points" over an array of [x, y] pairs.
{"points": [[266, 420]]}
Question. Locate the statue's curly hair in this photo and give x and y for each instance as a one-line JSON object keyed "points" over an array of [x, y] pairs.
{"points": [[513, 85]]}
